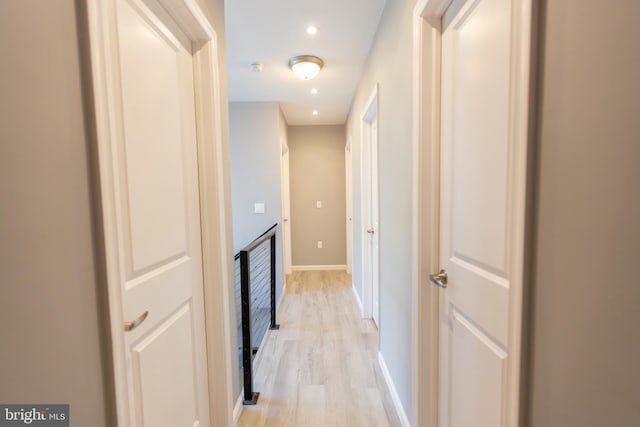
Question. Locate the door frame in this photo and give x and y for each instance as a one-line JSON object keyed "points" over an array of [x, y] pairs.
{"points": [[369, 112], [215, 217], [348, 173], [427, 39], [285, 202]]}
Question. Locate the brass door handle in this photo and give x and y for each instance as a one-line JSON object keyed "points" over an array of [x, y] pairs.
{"points": [[440, 279], [130, 326]]}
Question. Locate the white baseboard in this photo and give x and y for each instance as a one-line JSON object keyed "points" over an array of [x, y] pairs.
{"points": [[358, 300], [317, 267], [404, 420], [237, 410]]}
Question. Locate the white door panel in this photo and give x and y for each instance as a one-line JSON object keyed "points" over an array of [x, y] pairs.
{"points": [[375, 224], [152, 374], [286, 208], [476, 202], [158, 221], [477, 381]]}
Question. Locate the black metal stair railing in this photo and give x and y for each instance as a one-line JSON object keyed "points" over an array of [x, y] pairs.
{"points": [[250, 397]]}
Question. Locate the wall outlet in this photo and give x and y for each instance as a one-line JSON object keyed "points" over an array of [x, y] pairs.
{"points": [[319, 244], [319, 204]]}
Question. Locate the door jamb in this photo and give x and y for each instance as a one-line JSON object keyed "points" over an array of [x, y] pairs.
{"points": [[426, 199], [215, 216], [369, 112]]}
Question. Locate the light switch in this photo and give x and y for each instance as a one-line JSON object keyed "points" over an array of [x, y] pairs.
{"points": [[319, 204], [319, 244], [258, 208]]}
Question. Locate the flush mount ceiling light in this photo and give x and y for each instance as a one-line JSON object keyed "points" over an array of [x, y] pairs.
{"points": [[305, 67], [257, 67], [312, 30]]}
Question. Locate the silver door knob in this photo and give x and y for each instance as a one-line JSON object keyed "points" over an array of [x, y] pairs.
{"points": [[439, 279], [371, 231], [130, 326]]}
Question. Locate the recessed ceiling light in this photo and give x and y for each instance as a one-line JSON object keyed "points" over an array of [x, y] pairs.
{"points": [[315, 112], [312, 30], [305, 67], [314, 91]]}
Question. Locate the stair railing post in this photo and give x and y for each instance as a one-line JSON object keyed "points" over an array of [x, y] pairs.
{"points": [[273, 325], [250, 397]]}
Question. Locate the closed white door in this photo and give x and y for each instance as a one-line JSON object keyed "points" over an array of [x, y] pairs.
{"points": [[479, 205], [286, 210], [372, 218], [158, 221]]}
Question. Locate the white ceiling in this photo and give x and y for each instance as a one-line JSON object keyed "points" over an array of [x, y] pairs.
{"points": [[272, 31]]}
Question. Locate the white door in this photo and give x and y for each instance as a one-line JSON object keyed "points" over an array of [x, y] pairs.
{"points": [[349, 203], [286, 209], [374, 227], [157, 221], [480, 230]]}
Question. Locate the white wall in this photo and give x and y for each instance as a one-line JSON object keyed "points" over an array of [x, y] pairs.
{"points": [[390, 65], [255, 168], [255, 130]]}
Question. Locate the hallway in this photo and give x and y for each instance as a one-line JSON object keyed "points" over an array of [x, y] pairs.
{"points": [[320, 368]]}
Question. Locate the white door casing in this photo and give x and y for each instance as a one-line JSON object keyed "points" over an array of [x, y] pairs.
{"points": [[157, 127], [480, 102], [370, 209]]}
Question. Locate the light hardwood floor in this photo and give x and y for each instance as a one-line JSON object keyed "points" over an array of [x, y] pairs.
{"points": [[320, 369]]}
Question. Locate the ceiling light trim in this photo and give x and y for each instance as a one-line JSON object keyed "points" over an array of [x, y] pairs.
{"points": [[306, 67]]}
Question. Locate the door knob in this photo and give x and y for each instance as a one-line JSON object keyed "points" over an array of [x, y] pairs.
{"points": [[439, 279], [130, 326]]}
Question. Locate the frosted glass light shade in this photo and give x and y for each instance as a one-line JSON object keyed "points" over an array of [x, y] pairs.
{"points": [[305, 67]]}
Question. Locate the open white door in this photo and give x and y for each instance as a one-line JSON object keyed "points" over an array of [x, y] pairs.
{"points": [[483, 194], [374, 229], [286, 207], [154, 72], [370, 209], [349, 203]]}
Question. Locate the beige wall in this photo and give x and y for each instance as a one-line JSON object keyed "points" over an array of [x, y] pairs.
{"points": [[390, 65], [52, 349], [586, 292], [53, 338], [317, 173]]}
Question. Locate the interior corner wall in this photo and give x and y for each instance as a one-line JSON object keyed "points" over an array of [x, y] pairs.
{"points": [[585, 343], [317, 174], [390, 65], [255, 132], [54, 348]]}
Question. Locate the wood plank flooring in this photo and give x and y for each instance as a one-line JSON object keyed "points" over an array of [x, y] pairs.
{"points": [[320, 369]]}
